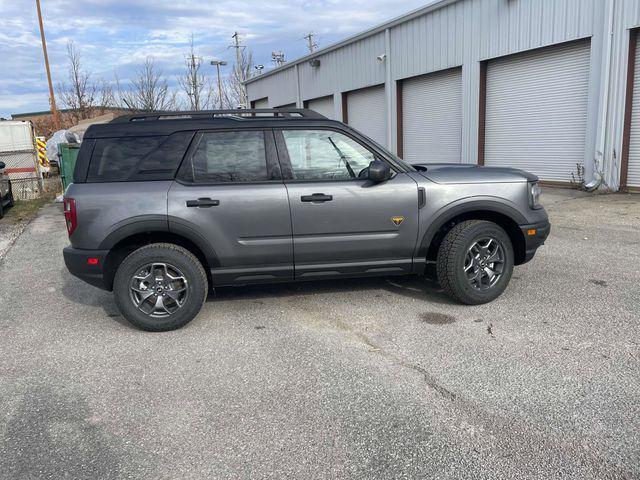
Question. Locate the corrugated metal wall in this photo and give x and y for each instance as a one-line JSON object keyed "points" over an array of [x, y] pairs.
{"points": [[464, 33]]}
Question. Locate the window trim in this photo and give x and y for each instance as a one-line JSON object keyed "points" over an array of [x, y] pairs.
{"points": [[272, 164], [285, 161]]}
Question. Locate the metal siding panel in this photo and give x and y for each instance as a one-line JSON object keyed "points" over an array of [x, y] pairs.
{"points": [[536, 117], [633, 172], [366, 112], [432, 117], [324, 106]]}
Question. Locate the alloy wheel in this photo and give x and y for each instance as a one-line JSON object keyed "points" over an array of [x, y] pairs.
{"points": [[159, 289]]}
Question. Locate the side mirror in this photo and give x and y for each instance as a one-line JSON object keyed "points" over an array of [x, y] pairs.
{"points": [[2, 165], [379, 171]]}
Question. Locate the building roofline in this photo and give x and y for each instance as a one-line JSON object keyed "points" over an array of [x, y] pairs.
{"points": [[15, 116], [357, 37]]}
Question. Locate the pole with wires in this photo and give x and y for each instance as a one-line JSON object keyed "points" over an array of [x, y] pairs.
{"points": [[52, 98]]}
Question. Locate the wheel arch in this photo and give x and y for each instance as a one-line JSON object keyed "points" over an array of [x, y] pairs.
{"points": [[127, 239], [501, 214]]}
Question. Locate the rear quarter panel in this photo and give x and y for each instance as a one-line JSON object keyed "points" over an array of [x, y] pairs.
{"points": [[107, 211]]}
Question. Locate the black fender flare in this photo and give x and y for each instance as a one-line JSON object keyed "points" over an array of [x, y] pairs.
{"points": [[147, 224], [462, 206]]}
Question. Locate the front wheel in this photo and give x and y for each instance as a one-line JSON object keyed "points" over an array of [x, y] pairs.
{"points": [[475, 262], [160, 287]]}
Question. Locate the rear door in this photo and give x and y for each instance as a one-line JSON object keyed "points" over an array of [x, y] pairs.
{"points": [[343, 224], [230, 192]]}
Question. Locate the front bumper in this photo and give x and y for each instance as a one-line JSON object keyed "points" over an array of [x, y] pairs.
{"points": [[76, 261], [534, 236]]}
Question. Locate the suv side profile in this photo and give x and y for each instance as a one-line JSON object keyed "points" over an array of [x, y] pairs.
{"points": [[164, 206]]}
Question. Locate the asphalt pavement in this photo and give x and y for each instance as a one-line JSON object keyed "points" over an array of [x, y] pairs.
{"points": [[372, 379]]}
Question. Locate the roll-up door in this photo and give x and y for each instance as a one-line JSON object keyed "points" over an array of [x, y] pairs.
{"points": [[536, 110], [366, 112], [261, 103], [633, 167], [432, 117], [324, 106]]}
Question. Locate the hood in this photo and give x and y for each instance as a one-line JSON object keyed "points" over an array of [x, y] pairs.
{"points": [[450, 173]]}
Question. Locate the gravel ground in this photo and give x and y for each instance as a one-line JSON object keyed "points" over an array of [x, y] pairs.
{"points": [[9, 231], [375, 378]]}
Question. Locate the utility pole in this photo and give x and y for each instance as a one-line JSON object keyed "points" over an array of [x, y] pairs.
{"points": [[311, 45], [240, 67], [52, 98], [217, 63]]}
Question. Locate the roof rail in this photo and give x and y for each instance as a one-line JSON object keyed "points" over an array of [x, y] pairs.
{"points": [[237, 114]]}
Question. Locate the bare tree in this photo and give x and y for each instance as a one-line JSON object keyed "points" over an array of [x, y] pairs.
{"points": [[236, 92], [194, 84], [80, 92], [149, 90]]}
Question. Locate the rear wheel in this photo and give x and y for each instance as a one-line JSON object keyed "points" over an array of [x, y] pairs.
{"points": [[160, 287], [475, 262]]}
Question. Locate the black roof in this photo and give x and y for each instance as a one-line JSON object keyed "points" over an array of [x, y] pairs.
{"points": [[165, 123]]}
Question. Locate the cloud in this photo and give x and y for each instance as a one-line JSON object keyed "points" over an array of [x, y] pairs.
{"points": [[116, 36]]}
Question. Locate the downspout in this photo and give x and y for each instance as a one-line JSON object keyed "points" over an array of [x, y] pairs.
{"points": [[298, 91], [600, 158]]}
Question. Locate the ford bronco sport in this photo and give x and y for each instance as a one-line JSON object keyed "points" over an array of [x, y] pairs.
{"points": [[164, 206]]}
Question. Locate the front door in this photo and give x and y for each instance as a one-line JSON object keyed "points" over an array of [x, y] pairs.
{"points": [[230, 192], [343, 224]]}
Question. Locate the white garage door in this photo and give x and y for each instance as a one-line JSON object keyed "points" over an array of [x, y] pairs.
{"points": [[262, 103], [536, 114], [633, 172], [324, 106], [432, 117], [366, 112]]}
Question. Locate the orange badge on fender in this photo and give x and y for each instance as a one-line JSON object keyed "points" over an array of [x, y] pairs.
{"points": [[397, 220]]}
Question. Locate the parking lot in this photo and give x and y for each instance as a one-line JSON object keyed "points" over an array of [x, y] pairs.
{"points": [[374, 378]]}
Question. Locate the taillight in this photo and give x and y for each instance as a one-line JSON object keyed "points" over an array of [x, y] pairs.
{"points": [[70, 214]]}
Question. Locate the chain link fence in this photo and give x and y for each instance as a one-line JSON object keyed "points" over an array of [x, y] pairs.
{"points": [[32, 188], [27, 182]]}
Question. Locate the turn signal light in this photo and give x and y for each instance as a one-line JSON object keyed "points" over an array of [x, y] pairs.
{"points": [[531, 232]]}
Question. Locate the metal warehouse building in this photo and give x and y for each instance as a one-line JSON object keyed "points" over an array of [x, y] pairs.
{"points": [[543, 85]]}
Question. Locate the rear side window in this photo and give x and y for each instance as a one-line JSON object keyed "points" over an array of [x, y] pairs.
{"points": [[129, 159], [227, 157]]}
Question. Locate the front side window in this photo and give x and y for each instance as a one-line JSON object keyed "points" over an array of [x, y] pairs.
{"points": [[325, 155], [221, 157]]}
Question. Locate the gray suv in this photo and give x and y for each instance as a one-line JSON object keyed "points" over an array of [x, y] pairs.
{"points": [[164, 206]]}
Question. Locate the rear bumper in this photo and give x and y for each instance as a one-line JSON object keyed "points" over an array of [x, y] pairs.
{"points": [[534, 240], [76, 261]]}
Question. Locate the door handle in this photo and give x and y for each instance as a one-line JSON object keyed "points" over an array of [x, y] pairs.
{"points": [[316, 197], [203, 203]]}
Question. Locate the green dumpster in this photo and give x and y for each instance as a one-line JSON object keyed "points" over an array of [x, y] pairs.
{"points": [[68, 157]]}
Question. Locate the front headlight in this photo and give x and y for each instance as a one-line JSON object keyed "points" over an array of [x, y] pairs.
{"points": [[534, 195]]}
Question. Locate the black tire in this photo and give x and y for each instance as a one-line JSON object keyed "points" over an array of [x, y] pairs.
{"points": [[1, 208], [453, 258], [190, 268]]}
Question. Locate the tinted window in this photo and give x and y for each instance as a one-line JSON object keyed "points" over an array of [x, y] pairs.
{"points": [[220, 157], [137, 158], [325, 155]]}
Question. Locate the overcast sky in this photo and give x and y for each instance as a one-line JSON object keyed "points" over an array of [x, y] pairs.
{"points": [[116, 36]]}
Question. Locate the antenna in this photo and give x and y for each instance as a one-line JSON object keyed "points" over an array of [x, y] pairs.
{"points": [[278, 58]]}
